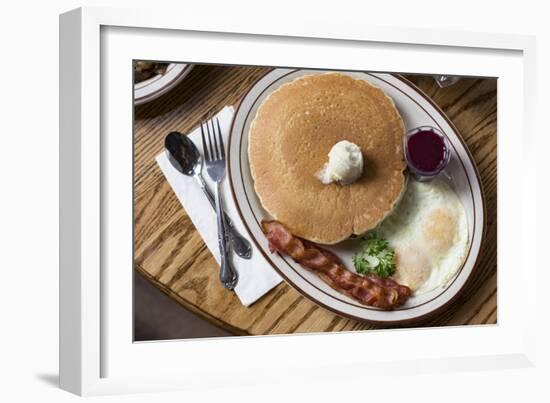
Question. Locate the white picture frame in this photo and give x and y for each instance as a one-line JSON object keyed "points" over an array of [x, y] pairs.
{"points": [[97, 355]]}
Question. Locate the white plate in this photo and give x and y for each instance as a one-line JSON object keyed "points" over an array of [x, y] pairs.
{"points": [[154, 87], [416, 109]]}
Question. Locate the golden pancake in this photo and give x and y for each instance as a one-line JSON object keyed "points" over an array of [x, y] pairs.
{"points": [[289, 141]]}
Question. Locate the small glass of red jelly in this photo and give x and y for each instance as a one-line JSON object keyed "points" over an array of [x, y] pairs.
{"points": [[427, 152]]}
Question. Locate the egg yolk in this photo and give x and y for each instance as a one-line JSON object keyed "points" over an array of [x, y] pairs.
{"points": [[439, 229], [413, 266]]}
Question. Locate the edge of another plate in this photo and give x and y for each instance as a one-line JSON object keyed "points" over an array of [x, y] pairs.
{"points": [[158, 85]]}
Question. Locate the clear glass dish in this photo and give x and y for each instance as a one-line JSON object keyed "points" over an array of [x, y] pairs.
{"points": [[418, 173]]}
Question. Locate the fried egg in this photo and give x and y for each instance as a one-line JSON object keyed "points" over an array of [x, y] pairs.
{"points": [[429, 232]]}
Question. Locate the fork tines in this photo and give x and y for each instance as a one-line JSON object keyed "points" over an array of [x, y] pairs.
{"points": [[215, 150]]}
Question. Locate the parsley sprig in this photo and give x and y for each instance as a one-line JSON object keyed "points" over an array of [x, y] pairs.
{"points": [[375, 257]]}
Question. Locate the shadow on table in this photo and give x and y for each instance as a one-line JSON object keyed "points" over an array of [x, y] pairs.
{"points": [[157, 317]]}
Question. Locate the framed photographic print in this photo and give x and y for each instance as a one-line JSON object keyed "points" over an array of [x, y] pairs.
{"points": [[268, 193]]}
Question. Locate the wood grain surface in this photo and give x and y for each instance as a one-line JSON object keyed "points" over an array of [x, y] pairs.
{"points": [[171, 254]]}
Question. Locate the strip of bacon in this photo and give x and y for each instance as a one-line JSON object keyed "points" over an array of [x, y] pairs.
{"points": [[369, 290]]}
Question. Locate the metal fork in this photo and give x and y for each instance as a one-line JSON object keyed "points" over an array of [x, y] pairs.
{"points": [[214, 153]]}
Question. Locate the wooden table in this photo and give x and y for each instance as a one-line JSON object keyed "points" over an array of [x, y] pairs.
{"points": [[172, 255]]}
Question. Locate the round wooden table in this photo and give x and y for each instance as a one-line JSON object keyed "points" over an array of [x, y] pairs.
{"points": [[171, 254]]}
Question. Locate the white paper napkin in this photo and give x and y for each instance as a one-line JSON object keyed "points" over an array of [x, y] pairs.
{"points": [[256, 276]]}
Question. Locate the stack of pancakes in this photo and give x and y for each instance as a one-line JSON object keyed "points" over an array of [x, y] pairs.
{"points": [[290, 138]]}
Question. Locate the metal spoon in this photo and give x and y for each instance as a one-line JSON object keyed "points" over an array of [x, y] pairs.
{"points": [[186, 158]]}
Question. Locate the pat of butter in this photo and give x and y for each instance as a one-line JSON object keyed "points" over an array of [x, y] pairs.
{"points": [[345, 164]]}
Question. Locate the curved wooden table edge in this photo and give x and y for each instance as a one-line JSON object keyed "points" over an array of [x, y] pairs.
{"points": [[187, 305], [240, 332]]}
